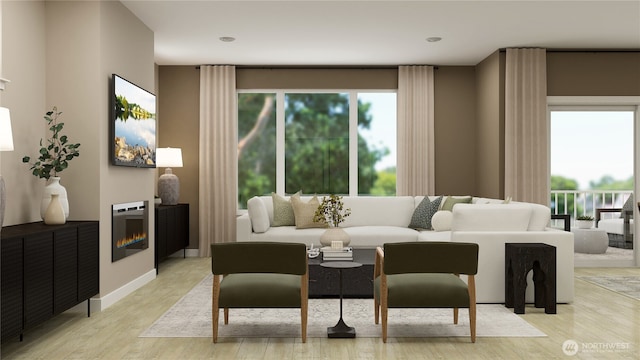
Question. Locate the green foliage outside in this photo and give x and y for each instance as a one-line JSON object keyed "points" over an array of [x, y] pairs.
{"points": [[316, 145]]}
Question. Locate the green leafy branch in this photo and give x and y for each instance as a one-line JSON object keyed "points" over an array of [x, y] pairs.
{"points": [[56, 153], [331, 211]]}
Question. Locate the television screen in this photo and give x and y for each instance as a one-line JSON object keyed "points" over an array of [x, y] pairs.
{"points": [[133, 125]]}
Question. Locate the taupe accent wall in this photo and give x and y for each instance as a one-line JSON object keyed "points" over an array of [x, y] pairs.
{"points": [[455, 130], [593, 73], [179, 126], [277, 78], [489, 90]]}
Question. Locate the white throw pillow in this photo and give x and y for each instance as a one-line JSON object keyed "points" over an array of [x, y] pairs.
{"points": [[441, 220], [258, 215]]}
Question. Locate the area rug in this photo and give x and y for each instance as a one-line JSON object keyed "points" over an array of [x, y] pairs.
{"points": [[191, 317], [625, 285]]}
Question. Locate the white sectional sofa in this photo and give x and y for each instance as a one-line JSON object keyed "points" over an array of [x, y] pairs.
{"points": [[375, 221]]}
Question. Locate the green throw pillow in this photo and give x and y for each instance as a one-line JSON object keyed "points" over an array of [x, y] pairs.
{"points": [[451, 201], [282, 211], [421, 219]]}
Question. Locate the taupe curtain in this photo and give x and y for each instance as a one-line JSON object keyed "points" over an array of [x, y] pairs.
{"points": [[526, 126], [416, 150], [218, 156]]}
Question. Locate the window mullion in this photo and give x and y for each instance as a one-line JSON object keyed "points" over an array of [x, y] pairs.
{"points": [[280, 143], [353, 143]]}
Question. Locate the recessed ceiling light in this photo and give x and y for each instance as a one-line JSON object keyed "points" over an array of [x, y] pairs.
{"points": [[434, 39], [227, 38]]}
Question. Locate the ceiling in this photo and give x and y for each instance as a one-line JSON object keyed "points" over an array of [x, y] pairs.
{"points": [[378, 33]]}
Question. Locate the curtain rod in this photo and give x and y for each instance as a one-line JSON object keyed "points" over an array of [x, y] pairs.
{"points": [[301, 67], [581, 50]]}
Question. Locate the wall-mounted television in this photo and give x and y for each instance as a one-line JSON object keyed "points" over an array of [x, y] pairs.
{"points": [[133, 125]]}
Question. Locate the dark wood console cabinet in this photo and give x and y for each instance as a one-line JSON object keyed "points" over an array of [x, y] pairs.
{"points": [[46, 269], [172, 230]]}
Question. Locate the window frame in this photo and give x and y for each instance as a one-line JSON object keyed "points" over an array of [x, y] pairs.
{"points": [[280, 129]]}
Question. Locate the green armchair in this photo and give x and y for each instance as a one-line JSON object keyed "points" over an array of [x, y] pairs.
{"points": [[259, 275], [425, 275]]}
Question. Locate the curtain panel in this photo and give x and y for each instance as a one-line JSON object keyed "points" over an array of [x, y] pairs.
{"points": [[218, 156], [526, 126], [415, 137]]}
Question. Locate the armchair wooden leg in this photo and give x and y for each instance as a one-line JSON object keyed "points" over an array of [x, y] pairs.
{"points": [[376, 310], [384, 303], [226, 316], [304, 305], [472, 306], [215, 312], [472, 321], [455, 315]]}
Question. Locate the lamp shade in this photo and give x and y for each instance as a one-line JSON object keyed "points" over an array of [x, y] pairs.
{"points": [[169, 157], [6, 138]]}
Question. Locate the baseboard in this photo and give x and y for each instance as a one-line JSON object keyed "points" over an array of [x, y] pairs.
{"points": [[103, 302]]}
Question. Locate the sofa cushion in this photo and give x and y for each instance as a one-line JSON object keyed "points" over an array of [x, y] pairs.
{"points": [[373, 236], [421, 218], [450, 201], [258, 215], [491, 217], [282, 211], [430, 235], [441, 220], [378, 210], [305, 211]]}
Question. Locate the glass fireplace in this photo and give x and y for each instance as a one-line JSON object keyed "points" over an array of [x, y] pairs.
{"points": [[130, 229]]}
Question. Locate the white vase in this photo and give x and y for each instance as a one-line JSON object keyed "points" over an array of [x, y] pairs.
{"points": [[54, 215], [53, 187], [334, 234]]}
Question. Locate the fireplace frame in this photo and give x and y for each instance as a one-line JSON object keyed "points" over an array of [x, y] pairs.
{"points": [[129, 229]]}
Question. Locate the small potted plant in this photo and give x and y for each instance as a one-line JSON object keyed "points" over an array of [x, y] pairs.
{"points": [[54, 157], [332, 212], [584, 222]]}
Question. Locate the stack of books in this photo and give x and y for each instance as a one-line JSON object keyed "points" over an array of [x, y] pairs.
{"points": [[341, 254]]}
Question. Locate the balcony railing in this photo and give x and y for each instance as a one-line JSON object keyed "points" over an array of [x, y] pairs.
{"points": [[585, 202]]}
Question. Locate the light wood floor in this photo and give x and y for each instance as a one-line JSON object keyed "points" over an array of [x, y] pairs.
{"points": [[598, 318]]}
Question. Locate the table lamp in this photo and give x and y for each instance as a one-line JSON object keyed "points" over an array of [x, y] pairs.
{"points": [[168, 183], [6, 144]]}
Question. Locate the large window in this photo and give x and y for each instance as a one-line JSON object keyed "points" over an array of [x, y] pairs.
{"points": [[316, 142]]}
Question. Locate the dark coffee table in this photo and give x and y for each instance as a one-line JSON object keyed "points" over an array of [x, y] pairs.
{"points": [[357, 283]]}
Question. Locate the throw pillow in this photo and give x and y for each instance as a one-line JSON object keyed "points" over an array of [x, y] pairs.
{"points": [[628, 205], [282, 211], [304, 212], [441, 220], [421, 218], [258, 215], [450, 201]]}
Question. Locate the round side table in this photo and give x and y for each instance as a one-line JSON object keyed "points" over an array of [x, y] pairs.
{"points": [[341, 329], [590, 241]]}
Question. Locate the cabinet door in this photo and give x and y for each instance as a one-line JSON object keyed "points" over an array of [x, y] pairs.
{"points": [[38, 278], [65, 269], [183, 226], [11, 286], [161, 232], [88, 260]]}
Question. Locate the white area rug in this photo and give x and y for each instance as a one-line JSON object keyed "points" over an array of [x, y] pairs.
{"points": [[191, 317], [625, 285]]}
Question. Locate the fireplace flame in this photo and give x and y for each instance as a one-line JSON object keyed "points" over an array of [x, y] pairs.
{"points": [[137, 237]]}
